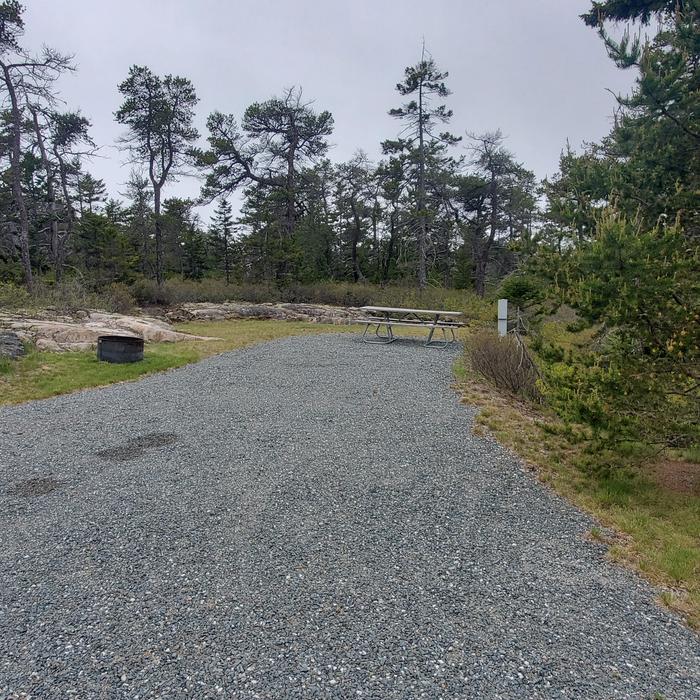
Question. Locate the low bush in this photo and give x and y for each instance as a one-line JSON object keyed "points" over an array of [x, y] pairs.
{"points": [[179, 291], [73, 294], [118, 298], [149, 293], [13, 296], [504, 362], [67, 296]]}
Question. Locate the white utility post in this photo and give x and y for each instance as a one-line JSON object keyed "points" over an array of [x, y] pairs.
{"points": [[502, 317]]}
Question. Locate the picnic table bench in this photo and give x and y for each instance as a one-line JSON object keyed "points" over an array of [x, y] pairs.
{"points": [[387, 317]]}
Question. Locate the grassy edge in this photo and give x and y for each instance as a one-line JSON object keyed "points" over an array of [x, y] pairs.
{"points": [[41, 375], [632, 528]]}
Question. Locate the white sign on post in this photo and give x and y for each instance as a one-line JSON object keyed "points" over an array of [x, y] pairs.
{"points": [[502, 317]]}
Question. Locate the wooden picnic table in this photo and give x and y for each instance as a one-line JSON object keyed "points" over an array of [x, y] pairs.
{"points": [[390, 316]]}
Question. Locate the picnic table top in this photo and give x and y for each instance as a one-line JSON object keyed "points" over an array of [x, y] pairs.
{"points": [[398, 309]]}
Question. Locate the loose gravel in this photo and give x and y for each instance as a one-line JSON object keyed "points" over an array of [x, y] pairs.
{"points": [[308, 518]]}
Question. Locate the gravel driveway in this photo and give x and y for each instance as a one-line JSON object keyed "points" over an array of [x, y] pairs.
{"points": [[309, 518]]}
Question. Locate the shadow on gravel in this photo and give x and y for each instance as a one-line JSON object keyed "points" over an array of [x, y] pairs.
{"points": [[136, 447], [38, 486]]}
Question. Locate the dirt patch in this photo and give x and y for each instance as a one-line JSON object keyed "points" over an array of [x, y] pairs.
{"points": [[134, 448], [38, 486], [674, 475]]}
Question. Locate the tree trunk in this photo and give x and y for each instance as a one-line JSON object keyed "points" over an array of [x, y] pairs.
{"points": [[159, 234], [357, 230], [480, 274], [482, 254], [420, 199], [55, 242], [390, 247], [70, 217], [291, 186], [16, 177], [227, 263]]}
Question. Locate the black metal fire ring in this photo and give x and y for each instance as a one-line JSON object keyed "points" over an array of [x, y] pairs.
{"points": [[119, 348]]}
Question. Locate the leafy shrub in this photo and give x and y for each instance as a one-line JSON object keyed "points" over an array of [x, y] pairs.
{"points": [[67, 296], [256, 294], [504, 362], [179, 291], [330, 293]]}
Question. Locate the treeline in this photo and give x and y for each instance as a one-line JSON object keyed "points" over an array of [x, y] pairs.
{"points": [[614, 235], [437, 209]]}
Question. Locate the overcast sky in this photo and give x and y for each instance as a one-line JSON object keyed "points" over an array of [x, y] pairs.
{"points": [[530, 68]]}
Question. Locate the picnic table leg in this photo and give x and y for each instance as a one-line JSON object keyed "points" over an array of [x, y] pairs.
{"points": [[430, 343], [381, 339]]}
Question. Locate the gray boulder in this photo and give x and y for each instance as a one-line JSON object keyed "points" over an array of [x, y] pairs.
{"points": [[10, 345]]}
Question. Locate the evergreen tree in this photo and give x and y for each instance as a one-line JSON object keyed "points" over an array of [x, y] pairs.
{"points": [[354, 205], [276, 139], [159, 114], [24, 79], [140, 221], [92, 192], [510, 200], [422, 83], [221, 231], [629, 263]]}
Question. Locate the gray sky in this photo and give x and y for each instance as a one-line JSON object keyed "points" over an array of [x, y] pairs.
{"points": [[530, 68]]}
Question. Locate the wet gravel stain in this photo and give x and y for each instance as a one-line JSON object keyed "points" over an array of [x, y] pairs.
{"points": [[136, 447], [38, 486]]}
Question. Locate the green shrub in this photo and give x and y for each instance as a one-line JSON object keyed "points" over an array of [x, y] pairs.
{"points": [[520, 289], [67, 296]]}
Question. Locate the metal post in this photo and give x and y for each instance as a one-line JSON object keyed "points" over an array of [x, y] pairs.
{"points": [[502, 317]]}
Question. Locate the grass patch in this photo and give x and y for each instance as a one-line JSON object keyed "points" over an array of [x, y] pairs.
{"points": [[658, 527], [40, 375]]}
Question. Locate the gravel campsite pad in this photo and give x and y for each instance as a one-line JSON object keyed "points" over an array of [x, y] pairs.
{"points": [[308, 518]]}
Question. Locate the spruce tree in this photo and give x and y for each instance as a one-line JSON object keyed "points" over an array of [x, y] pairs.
{"points": [[423, 83], [222, 233]]}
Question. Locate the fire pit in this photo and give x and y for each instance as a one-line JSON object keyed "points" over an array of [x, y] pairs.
{"points": [[119, 348]]}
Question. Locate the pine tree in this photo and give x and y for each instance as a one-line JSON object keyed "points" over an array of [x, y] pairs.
{"points": [[91, 193], [419, 140], [221, 231], [159, 114], [275, 140]]}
